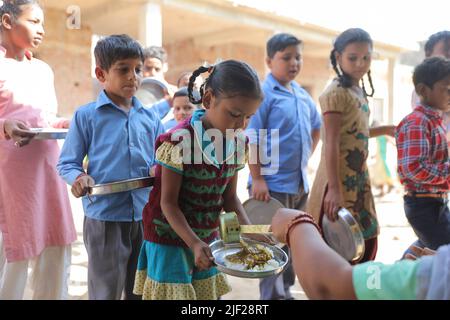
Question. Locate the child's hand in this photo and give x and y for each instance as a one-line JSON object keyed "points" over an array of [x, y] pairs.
{"points": [[81, 185], [152, 171], [419, 252], [260, 191], [332, 203], [18, 132], [203, 256]]}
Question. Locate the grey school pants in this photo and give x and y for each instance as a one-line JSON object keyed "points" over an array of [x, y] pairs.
{"points": [[113, 250]]}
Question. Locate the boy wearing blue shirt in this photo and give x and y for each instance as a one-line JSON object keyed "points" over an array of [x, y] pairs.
{"points": [[292, 121], [117, 133]]}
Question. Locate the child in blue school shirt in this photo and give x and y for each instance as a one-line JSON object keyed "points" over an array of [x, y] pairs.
{"points": [[288, 109], [118, 134]]}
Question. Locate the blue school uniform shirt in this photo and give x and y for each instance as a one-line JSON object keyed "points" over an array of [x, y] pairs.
{"points": [[295, 116], [170, 124], [119, 146]]}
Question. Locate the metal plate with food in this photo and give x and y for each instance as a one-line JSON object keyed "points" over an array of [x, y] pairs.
{"points": [[261, 212], [49, 133], [344, 235], [121, 186], [151, 91], [248, 259]]}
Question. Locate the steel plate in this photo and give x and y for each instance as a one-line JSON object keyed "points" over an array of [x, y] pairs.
{"points": [[121, 186], [220, 250], [344, 235], [261, 212], [49, 133]]}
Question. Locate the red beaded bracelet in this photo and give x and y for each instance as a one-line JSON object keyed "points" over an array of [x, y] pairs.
{"points": [[301, 218]]}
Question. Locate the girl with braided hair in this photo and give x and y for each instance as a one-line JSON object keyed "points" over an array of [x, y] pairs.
{"points": [[195, 179], [342, 178]]}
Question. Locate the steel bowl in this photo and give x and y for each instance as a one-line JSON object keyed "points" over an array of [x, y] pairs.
{"points": [[151, 91], [344, 235], [221, 249], [49, 133], [121, 186]]}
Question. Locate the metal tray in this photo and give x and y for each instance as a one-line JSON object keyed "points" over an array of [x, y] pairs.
{"points": [[261, 212], [220, 250], [344, 235], [49, 133], [121, 186], [151, 91]]}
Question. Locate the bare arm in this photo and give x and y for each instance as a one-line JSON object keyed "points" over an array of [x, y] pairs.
{"points": [[334, 198], [382, 130], [260, 191], [315, 135], [322, 273], [170, 188], [330, 276]]}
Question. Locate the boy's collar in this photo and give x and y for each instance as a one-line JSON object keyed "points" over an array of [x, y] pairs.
{"points": [[276, 84], [103, 100], [430, 111]]}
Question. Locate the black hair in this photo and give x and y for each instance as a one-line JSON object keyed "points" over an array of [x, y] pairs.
{"points": [[184, 92], [342, 41], [116, 47], [279, 42], [227, 79], [431, 70], [182, 75], [155, 52], [436, 38], [13, 7]]}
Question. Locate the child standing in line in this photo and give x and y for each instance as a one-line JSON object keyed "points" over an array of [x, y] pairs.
{"points": [[288, 108], [155, 66], [36, 224], [182, 107], [342, 179], [195, 180], [117, 133], [437, 45], [423, 163]]}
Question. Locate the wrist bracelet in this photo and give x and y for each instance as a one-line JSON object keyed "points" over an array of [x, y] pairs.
{"points": [[301, 218]]}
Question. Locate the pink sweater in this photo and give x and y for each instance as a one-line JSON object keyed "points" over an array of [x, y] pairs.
{"points": [[35, 210]]}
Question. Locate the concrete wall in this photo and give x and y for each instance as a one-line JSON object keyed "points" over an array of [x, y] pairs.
{"points": [[68, 52]]}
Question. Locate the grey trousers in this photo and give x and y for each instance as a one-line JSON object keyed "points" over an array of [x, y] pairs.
{"points": [[113, 250], [277, 287]]}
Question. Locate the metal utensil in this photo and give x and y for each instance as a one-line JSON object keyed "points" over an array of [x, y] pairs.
{"points": [[151, 91], [121, 186], [261, 212], [220, 250], [344, 235], [230, 229], [49, 133]]}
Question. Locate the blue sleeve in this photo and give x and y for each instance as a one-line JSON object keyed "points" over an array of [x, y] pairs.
{"points": [[70, 164], [258, 121], [316, 119], [161, 108]]}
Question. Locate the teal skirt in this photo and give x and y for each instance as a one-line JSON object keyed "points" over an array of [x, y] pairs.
{"points": [[167, 272]]}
